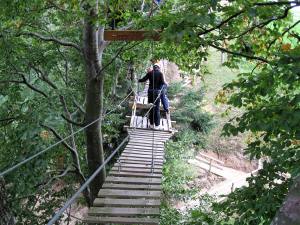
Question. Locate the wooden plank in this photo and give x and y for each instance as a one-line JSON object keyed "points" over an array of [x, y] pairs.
{"points": [[141, 149], [129, 193], [169, 121], [155, 135], [148, 138], [149, 131], [146, 148], [148, 106], [135, 170], [140, 162], [128, 165], [126, 202], [132, 121], [165, 122], [146, 141], [149, 143], [131, 180], [139, 121], [130, 151], [121, 220], [145, 122], [114, 211], [159, 157], [131, 174], [130, 35], [142, 153], [132, 186], [141, 159], [135, 121]]}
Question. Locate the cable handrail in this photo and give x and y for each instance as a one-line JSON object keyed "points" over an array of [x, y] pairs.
{"points": [[85, 185], [92, 177], [59, 142]]}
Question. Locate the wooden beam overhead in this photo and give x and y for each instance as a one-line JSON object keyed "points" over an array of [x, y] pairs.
{"points": [[130, 35]]}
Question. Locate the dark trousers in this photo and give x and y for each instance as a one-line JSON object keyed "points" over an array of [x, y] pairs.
{"points": [[154, 115]]}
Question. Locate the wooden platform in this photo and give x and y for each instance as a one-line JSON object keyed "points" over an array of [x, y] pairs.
{"points": [[144, 123], [132, 190]]}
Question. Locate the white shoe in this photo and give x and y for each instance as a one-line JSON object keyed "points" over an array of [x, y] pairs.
{"points": [[151, 126], [157, 127]]}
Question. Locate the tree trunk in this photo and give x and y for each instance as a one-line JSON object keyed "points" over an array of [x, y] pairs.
{"points": [[6, 217], [115, 83], [94, 92], [288, 214]]}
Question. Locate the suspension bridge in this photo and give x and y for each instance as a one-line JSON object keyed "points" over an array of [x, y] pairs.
{"points": [[132, 190]]}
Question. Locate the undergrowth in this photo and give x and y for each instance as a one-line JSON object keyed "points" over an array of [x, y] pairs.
{"points": [[177, 172]]}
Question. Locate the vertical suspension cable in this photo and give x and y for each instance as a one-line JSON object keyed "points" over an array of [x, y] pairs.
{"points": [[119, 161], [153, 110]]}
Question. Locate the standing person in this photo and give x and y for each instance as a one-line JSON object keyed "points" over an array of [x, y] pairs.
{"points": [[156, 82], [163, 96]]}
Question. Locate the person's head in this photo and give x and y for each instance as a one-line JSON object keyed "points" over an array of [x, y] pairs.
{"points": [[156, 66]]}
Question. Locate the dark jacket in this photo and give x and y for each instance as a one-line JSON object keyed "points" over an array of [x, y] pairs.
{"points": [[156, 79]]}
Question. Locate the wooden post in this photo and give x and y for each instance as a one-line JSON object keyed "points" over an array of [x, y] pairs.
{"points": [[232, 187], [209, 166]]}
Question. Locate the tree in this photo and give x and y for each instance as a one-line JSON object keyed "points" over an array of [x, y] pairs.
{"points": [[52, 80], [264, 36]]}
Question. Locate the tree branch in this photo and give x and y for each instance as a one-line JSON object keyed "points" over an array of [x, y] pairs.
{"points": [[52, 39], [10, 81], [276, 3], [260, 25], [80, 108], [24, 81], [243, 10], [56, 134], [71, 121], [239, 53], [44, 76], [118, 53], [222, 23], [75, 158], [64, 173], [286, 31], [7, 119], [30, 85]]}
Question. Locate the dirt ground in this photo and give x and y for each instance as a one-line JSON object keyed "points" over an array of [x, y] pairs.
{"points": [[230, 150]]}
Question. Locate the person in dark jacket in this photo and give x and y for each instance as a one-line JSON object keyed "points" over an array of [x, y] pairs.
{"points": [[156, 82]]}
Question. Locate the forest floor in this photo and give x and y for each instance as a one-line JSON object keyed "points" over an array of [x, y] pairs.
{"points": [[229, 150]]}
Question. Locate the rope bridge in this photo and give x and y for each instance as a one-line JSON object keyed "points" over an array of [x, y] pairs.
{"points": [[131, 192]]}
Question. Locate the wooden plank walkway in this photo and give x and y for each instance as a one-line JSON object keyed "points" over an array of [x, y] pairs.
{"points": [[132, 190]]}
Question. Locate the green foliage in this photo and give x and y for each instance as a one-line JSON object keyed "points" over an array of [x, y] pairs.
{"points": [[177, 172], [35, 75], [169, 215], [189, 112], [270, 98], [36, 72], [175, 89]]}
